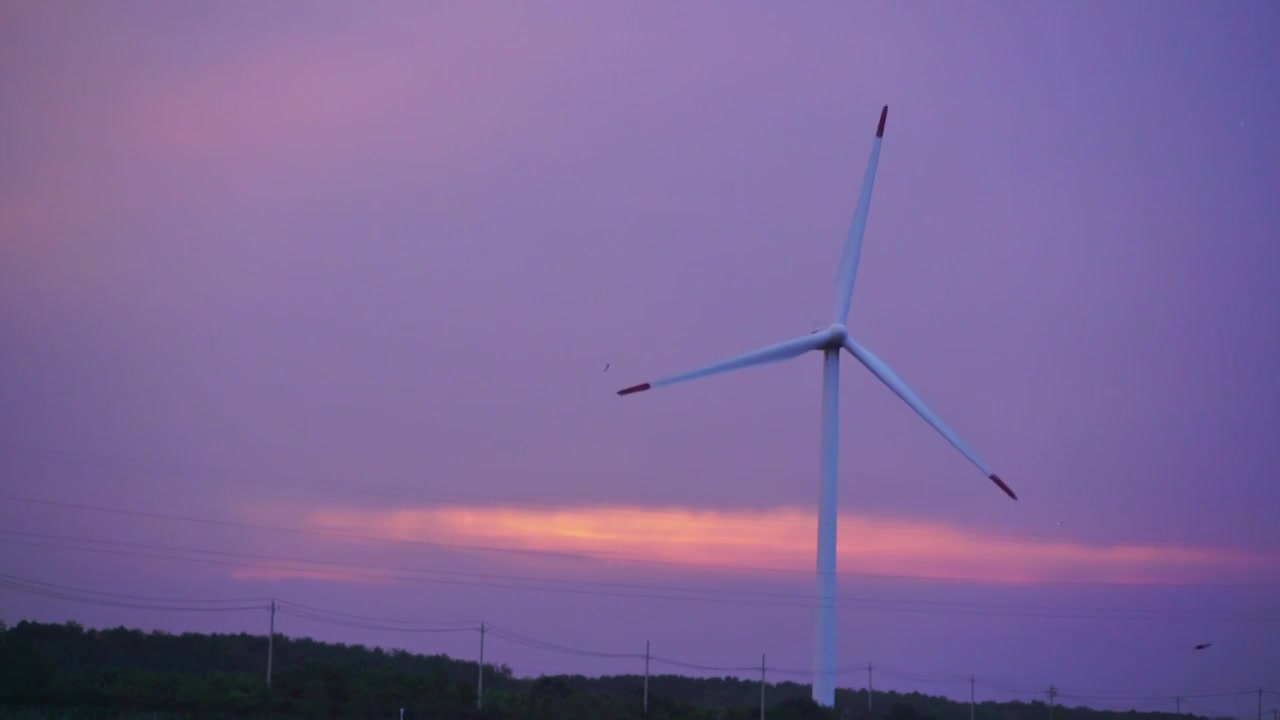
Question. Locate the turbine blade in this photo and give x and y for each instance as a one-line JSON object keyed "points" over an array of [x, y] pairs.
{"points": [[773, 353], [900, 388], [853, 242]]}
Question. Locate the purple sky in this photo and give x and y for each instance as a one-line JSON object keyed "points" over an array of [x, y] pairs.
{"points": [[358, 268]]}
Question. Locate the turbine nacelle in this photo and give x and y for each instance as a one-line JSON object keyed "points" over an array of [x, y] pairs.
{"points": [[831, 337], [838, 334]]}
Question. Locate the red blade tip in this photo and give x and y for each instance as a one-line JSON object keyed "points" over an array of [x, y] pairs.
{"points": [[884, 115], [634, 389], [996, 479]]}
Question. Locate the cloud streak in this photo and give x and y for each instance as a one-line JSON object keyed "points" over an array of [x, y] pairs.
{"points": [[783, 539]]}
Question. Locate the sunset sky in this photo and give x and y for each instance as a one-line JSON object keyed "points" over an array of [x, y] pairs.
{"points": [[312, 300]]}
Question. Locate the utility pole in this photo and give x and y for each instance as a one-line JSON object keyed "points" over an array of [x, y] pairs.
{"points": [[1178, 700], [868, 688], [1259, 703], [761, 686], [971, 708], [271, 642], [646, 677], [1053, 693], [480, 676]]}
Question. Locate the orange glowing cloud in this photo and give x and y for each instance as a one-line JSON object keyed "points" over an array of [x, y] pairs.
{"points": [[784, 539]]}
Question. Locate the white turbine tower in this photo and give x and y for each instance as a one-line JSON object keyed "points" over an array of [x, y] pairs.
{"points": [[829, 342]]}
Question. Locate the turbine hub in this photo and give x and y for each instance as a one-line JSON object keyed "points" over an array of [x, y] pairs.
{"points": [[838, 333]]}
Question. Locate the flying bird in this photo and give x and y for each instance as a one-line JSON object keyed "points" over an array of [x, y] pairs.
{"points": [[606, 368], [1202, 646]]}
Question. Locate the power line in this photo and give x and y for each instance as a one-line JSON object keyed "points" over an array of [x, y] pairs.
{"points": [[515, 637], [702, 595], [503, 576], [283, 529], [303, 611], [289, 609], [76, 457], [383, 576], [468, 624], [1184, 696], [710, 668], [130, 464], [49, 591], [1013, 691], [920, 678], [146, 598], [586, 556], [507, 576]]}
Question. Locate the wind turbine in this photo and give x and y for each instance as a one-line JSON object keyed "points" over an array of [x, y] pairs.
{"points": [[830, 341]]}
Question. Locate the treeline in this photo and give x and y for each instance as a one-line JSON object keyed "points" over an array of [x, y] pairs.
{"points": [[51, 670]]}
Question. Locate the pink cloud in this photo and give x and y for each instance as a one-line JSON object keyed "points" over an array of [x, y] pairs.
{"points": [[784, 539], [270, 121]]}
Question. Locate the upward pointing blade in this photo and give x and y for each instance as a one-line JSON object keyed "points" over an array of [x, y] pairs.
{"points": [[853, 243], [900, 388], [774, 353]]}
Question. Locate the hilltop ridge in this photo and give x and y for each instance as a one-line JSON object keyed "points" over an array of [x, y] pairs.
{"points": [[57, 669]]}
